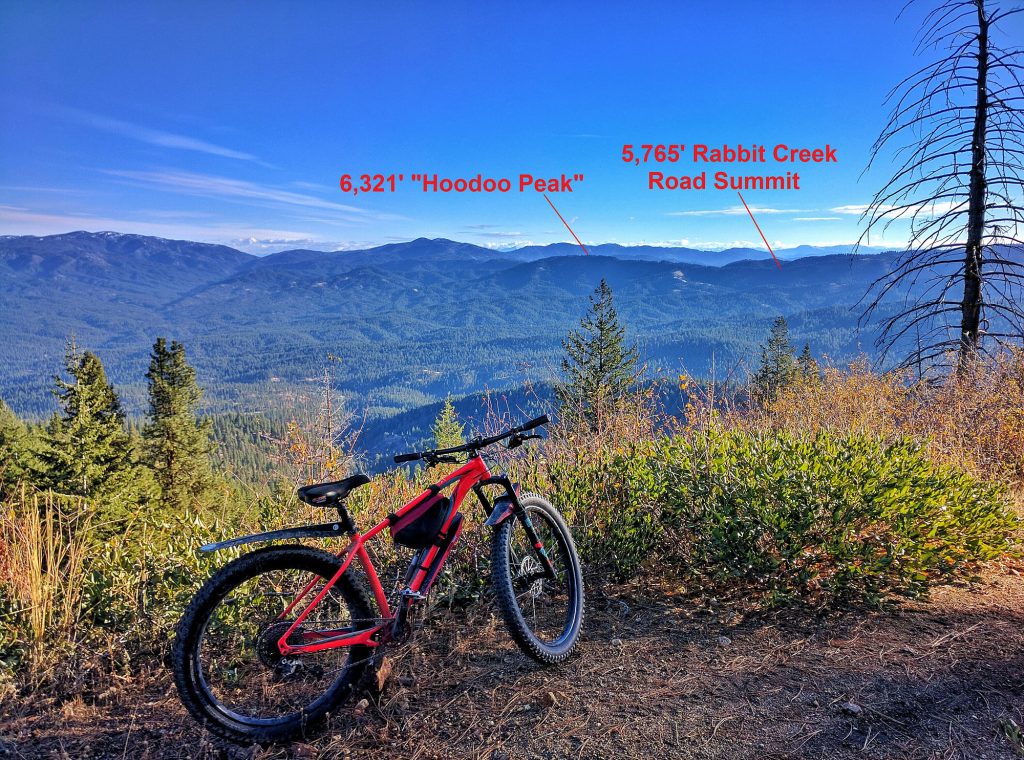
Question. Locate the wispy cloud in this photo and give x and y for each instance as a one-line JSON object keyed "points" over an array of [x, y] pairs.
{"points": [[739, 211], [39, 189], [481, 230], [507, 246], [777, 244], [817, 218], [154, 136], [853, 208], [721, 245], [268, 245], [682, 243], [924, 209], [240, 191], [303, 185]]}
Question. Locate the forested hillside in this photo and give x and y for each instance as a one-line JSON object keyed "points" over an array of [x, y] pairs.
{"points": [[409, 322]]}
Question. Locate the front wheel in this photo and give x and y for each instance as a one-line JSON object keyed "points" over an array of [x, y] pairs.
{"points": [[543, 614]]}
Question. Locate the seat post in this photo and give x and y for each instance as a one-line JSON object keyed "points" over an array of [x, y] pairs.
{"points": [[344, 518]]}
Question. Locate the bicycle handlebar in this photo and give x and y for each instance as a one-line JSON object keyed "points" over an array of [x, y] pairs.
{"points": [[534, 423], [474, 445]]}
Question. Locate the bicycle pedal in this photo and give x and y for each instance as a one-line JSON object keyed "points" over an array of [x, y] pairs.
{"points": [[408, 593]]}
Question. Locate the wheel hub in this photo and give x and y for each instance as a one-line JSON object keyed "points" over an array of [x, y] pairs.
{"points": [[284, 668]]}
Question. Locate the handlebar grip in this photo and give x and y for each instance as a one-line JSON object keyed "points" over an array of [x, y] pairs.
{"points": [[407, 458], [542, 420]]}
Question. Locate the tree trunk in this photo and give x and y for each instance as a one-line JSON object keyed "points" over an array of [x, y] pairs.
{"points": [[970, 307]]}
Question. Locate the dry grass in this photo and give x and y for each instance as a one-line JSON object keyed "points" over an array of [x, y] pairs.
{"points": [[973, 420], [43, 556]]}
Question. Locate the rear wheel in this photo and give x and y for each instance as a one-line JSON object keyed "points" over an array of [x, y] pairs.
{"points": [[544, 615], [227, 666]]}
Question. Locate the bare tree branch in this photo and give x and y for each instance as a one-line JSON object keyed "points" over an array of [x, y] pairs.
{"points": [[956, 132]]}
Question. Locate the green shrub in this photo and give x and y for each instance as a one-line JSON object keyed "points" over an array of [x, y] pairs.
{"points": [[777, 516], [821, 518], [613, 503], [137, 589]]}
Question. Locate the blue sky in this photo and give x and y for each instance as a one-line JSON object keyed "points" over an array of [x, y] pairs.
{"points": [[232, 122]]}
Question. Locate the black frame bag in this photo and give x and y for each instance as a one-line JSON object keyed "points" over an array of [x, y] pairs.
{"points": [[421, 525]]}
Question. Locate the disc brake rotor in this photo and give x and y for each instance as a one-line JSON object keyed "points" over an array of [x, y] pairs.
{"points": [[530, 566]]}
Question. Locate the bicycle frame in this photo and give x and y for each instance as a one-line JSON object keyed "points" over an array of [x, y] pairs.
{"points": [[471, 476], [234, 672]]}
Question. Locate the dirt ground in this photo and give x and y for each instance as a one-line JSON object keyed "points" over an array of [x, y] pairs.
{"points": [[656, 678]]}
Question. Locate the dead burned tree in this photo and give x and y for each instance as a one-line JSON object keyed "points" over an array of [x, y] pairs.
{"points": [[956, 136]]}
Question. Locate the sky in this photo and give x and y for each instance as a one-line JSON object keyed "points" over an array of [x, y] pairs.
{"points": [[234, 122]]}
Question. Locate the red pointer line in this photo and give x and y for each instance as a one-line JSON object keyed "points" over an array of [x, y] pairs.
{"points": [[758, 228], [566, 223]]}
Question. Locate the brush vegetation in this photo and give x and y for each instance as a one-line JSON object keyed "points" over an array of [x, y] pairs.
{"points": [[819, 486]]}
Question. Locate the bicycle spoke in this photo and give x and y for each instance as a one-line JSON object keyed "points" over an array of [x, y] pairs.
{"points": [[238, 656], [542, 600]]}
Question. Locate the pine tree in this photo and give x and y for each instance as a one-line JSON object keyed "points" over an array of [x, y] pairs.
{"points": [[88, 451], [598, 367], [447, 429], [176, 444], [13, 449], [807, 366], [778, 364]]}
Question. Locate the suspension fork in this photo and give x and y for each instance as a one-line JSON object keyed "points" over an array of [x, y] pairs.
{"points": [[497, 514], [531, 534]]}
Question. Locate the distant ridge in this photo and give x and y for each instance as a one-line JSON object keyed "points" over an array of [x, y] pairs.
{"points": [[410, 321], [127, 242]]}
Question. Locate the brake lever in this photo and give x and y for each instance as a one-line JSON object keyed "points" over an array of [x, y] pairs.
{"points": [[433, 460], [515, 441]]}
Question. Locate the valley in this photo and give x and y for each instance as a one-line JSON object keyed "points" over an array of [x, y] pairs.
{"points": [[403, 325]]}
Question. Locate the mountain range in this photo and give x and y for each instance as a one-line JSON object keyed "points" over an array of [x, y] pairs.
{"points": [[407, 323]]}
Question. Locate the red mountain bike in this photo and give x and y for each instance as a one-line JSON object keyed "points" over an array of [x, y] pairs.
{"points": [[280, 636]]}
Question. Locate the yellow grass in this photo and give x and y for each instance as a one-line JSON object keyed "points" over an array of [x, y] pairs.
{"points": [[42, 555]]}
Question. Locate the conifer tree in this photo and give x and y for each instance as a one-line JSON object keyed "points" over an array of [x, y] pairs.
{"points": [[598, 367], [176, 443], [88, 451], [447, 429], [13, 452], [953, 149], [807, 366], [778, 366]]}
